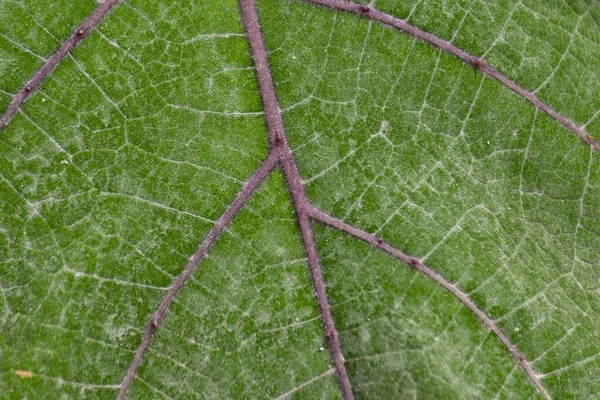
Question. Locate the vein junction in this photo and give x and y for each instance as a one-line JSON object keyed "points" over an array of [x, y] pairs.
{"points": [[280, 155]]}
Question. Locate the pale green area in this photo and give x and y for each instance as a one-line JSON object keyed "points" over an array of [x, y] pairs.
{"points": [[114, 171], [453, 168]]}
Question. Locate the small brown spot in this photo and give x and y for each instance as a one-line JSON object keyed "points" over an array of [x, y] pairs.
{"points": [[278, 138], [154, 322], [364, 8], [28, 88], [414, 262], [80, 32], [476, 62], [24, 374], [379, 242]]}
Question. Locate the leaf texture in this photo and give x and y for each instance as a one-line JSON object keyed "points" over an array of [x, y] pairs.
{"points": [[129, 153]]}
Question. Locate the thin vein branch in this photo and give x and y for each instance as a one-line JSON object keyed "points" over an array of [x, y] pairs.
{"points": [[259, 175], [289, 393], [418, 265], [300, 202], [65, 48], [476, 62]]}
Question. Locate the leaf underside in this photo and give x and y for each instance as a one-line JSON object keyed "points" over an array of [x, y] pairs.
{"points": [[115, 169]]}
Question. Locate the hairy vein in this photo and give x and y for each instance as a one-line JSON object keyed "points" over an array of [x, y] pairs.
{"points": [[420, 267], [476, 62], [65, 48], [279, 146], [259, 175]]}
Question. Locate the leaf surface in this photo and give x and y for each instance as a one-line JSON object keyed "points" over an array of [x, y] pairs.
{"points": [[120, 163]]}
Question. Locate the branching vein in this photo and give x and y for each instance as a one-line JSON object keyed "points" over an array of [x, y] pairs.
{"points": [[224, 220], [280, 147], [418, 265], [280, 153]]}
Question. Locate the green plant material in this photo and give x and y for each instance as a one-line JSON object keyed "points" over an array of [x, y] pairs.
{"points": [[115, 169], [30, 31], [260, 333]]}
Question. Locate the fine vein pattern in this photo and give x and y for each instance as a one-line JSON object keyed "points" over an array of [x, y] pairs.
{"points": [[279, 146], [418, 265], [121, 161], [224, 220], [80, 32], [475, 62]]}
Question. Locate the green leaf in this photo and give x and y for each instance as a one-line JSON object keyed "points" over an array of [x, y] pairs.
{"points": [[118, 165]]}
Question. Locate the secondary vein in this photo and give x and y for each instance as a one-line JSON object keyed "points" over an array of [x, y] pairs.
{"points": [[65, 48], [420, 267], [249, 187], [368, 11]]}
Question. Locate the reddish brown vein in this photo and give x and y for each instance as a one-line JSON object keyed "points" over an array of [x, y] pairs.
{"points": [[240, 199], [280, 153], [301, 204], [65, 48], [374, 241], [476, 62]]}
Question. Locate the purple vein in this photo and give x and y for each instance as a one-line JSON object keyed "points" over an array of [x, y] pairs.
{"points": [[476, 62], [301, 204], [280, 153], [418, 265], [65, 48], [240, 199]]}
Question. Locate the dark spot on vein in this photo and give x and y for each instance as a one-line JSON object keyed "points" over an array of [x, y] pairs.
{"points": [[65, 48], [475, 62], [364, 8]]}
